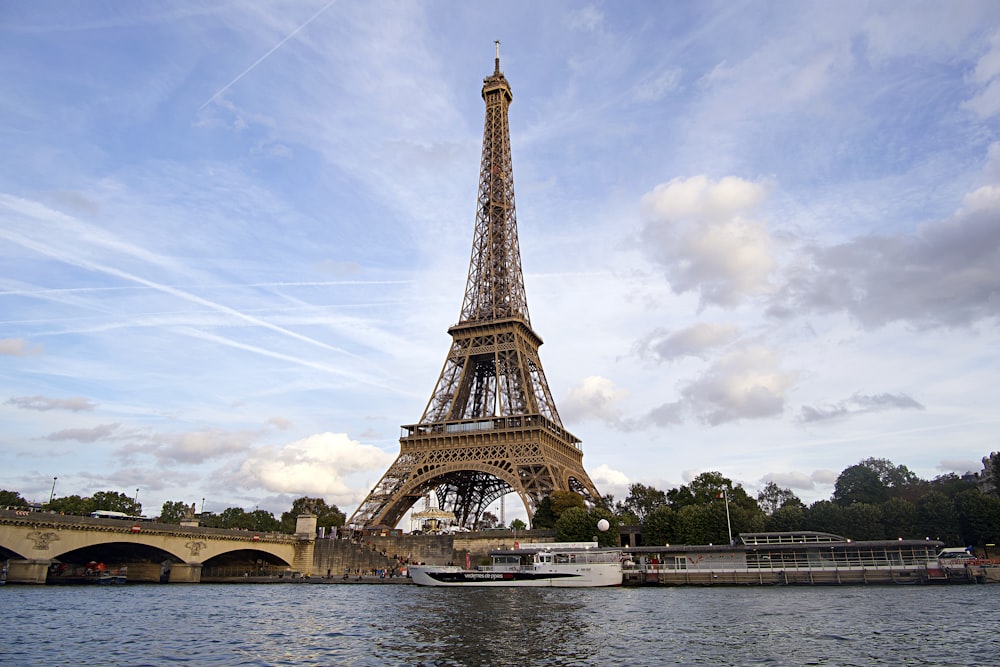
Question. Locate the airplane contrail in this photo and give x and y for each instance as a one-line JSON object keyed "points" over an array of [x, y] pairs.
{"points": [[264, 57]]}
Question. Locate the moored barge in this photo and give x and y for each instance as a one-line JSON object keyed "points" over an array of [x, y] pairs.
{"points": [[787, 558]]}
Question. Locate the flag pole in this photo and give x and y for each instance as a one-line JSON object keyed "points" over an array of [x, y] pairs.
{"points": [[729, 524]]}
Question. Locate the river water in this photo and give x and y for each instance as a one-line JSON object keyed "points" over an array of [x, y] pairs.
{"points": [[343, 624]]}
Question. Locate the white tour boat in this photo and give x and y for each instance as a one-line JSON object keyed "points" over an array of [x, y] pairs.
{"points": [[574, 564]]}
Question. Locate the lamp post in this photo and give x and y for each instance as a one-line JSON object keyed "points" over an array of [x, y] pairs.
{"points": [[52, 493]]}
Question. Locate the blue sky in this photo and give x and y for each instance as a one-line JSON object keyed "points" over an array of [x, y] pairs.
{"points": [[761, 238]]}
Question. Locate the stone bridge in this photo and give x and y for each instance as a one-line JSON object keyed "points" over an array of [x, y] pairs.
{"points": [[33, 542]]}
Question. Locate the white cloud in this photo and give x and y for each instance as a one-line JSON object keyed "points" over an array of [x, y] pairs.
{"points": [[317, 466], [702, 233], [16, 347], [800, 480], [747, 383], [942, 275], [860, 404], [695, 340], [94, 434], [594, 398], [606, 475], [193, 447], [827, 477], [45, 403]]}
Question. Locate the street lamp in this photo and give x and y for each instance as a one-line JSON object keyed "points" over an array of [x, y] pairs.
{"points": [[52, 494]]}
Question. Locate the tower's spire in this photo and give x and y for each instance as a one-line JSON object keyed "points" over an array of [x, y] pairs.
{"points": [[496, 68], [495, 287]]}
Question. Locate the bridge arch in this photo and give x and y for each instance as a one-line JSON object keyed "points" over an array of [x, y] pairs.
{"points": [[36, 540]]}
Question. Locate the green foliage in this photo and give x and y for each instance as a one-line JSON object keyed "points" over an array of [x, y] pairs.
{"points": [[899, 518], [892, 476], [173, 511], [517, 524], [702, 524], [75, 505], [564, 500], [859, 484], [658, 528], [11, 499], [772, 498], [116, 502], [327, 516], [576, 524], [978, 517], [553, 506], [102, 500], [826, 517], [642, 500], [788, 517], [864, 521], [937, 518], [544, 517]]}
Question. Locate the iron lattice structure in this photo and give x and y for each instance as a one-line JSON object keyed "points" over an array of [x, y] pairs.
{"points": [[491, 426]]}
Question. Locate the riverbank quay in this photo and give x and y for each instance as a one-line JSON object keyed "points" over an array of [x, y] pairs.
{"points": [[354, 580]]}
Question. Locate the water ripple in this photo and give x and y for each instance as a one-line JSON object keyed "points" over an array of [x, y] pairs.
{"points": [[361, 626]]}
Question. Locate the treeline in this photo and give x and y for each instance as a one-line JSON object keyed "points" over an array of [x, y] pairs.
{"points": [[872, 500], [327, 516]]}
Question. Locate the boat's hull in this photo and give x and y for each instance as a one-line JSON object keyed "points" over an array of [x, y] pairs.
{"points": [[569, 577]]}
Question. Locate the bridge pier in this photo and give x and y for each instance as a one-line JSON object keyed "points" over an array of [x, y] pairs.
{"points": [[28, 571], [185, 573], [305, 549]]}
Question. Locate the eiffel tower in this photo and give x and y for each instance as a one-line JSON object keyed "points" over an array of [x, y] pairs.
{"points": [[491, 426]]}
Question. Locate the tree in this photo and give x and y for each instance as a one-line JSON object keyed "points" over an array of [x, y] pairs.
{"points": [[517, 524], [327, 516], [899, 516], [173, 511], [552, 507], [702, 524], [658, 528], [574, 525], [544, 517], [609, 537], [487, 521], [116, 502], [979, 517], [950, 484], [891, 475], [787, 518], [577, 524], [235, 517], [859, 484], [75, 505], [864, 521], [264, 521], [937, 518], [772, 498], [563, 500], [680, 497], [11, 499], [826, 517], [643, 499]]}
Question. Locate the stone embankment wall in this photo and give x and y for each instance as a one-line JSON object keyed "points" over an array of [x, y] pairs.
{"points": [[388, 552]]}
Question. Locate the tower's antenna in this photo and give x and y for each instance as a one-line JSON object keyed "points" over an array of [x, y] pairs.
{"points": [[497, 61]]}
